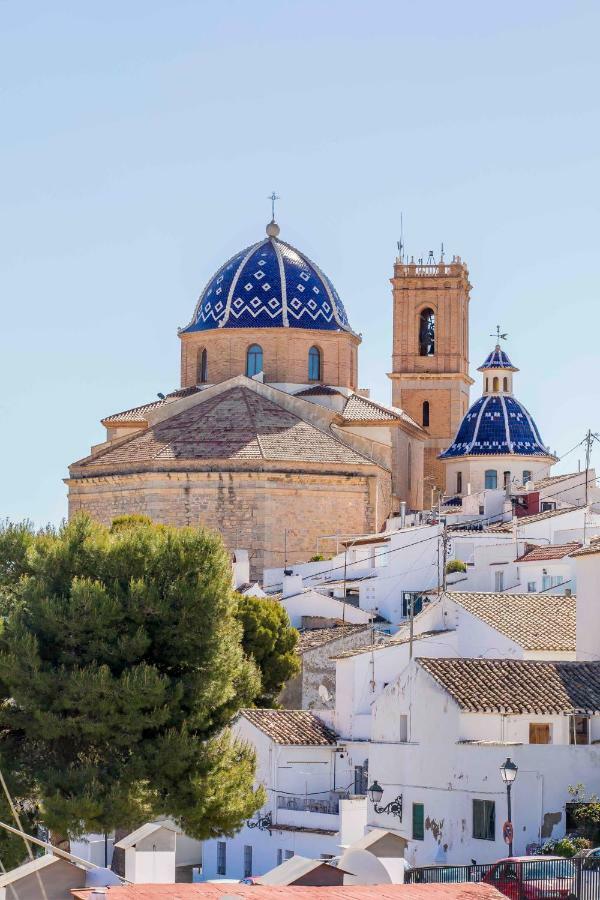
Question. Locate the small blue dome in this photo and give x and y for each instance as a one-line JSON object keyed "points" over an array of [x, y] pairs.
{"points": [[497, 359], [495, 425], [269, 285]]}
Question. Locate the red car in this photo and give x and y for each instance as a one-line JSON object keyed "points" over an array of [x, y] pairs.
{"points": [[533, 877]]}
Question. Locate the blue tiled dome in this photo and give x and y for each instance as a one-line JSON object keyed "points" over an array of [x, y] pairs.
{"points": [[495, 425], [269, 285], [497, 359]]}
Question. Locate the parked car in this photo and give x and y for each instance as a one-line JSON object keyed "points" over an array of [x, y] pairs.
{"points": [[591, 859], [533, 877]]}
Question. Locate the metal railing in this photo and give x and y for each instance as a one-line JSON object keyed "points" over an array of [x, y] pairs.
{"points": [[571, 879], [309, 804]]}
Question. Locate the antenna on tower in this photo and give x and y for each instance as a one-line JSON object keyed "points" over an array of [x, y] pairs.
{"points": [[499, 335], [400, 243]]}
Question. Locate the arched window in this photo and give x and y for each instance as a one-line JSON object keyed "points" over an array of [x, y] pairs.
{"points": [[491, 479], [459, 482], [427, 332], [254, 360], [487, 384], [203, 366], [496, 384], [426, 413], [314, 364], [505, 384]]}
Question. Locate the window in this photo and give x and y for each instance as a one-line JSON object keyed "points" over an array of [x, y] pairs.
{"points": [[221, 858], [539, 733], [550, 581], [580, 730], [487, 384], [496, 384], [326, 856], [254, 360], [526, 475], [361, 778], [403, 729], [425, 416], [411, 598], [506, 478], [531, 587], [427, 333], [498, 581], [279, 857], [314, 364], [247, 861], [484, 820], [491, 479], [202, 366], [548, 505], [459, 482], [505, 384], [288, 854], [418, 822]]}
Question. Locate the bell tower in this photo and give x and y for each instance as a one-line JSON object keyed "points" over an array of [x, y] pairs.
{"points": [[430, 356]]}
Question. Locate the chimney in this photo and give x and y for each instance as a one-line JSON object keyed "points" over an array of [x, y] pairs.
{"points": [[241, 567], [402, 513], [292, 584]]}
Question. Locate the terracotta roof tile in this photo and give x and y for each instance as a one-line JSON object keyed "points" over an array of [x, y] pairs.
{"points": [[548, 551], [290, 892], [290, 726], [361, 409], [235, 424], [533, 621], [317, 637], [594, 547], [138, 413], [319, 390], [518, 686], [528, 520]]}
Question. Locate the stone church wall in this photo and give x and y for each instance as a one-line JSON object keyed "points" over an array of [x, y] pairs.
{"points": [[252, 510]]}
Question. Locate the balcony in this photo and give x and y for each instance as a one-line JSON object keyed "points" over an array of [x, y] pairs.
{"points": [[330, 806], [312, 813]]}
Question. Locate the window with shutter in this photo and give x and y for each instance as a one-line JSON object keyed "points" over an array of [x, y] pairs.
{"points": [[418, 822]]}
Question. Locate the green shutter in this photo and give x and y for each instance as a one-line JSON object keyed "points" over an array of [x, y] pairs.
{"points": [[418, 822]]}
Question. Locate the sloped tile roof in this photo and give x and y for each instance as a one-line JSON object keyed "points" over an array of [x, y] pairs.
{"points": [[361, 409], [518, 686], [319, 390], [528, 520], [533, 621], [548, 551], [594, 547], [138, 413], [317, 637], [291, 726], [216, 891], [237, 423]]}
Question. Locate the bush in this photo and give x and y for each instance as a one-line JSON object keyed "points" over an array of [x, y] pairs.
{"points": [[567, 846], [318, 557], [455, 565]]}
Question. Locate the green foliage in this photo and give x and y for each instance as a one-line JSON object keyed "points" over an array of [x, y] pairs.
{"points": [[567, 846], [586, 811], [121, 664], [134, 520], [318, 557], [270, 640], [455, 565]]}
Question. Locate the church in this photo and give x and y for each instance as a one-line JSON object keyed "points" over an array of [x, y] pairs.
{"points": [[269, 439]]}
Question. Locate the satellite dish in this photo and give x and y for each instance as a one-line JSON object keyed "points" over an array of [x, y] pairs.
{"points": [[324, 694]]}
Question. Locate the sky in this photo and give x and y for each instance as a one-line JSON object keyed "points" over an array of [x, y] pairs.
{"points": [[140, 140]]}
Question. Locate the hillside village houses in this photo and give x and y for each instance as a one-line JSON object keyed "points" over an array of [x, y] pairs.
{"points": [[417, 679]]}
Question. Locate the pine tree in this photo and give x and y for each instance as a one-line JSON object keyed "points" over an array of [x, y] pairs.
{"points": [[270, 641], [121, 666]]}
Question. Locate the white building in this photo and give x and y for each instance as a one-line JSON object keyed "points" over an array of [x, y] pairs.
{"points": [[444, 727], [549, 568], [312, 807]]}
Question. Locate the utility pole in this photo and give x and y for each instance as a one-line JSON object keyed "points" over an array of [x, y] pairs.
{"points": [[444, 557], [588, 440]]}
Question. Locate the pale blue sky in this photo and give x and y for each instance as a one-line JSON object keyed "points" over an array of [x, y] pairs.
{"points": [[139, 143]]}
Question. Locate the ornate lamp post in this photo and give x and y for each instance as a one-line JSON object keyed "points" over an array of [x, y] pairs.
{"points": [[394, 807], [508, 771]]}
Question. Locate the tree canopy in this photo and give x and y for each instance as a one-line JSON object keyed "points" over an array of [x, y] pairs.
{"points": [[124, 656]]}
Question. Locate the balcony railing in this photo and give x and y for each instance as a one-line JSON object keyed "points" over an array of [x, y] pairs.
{"points": [[327, 806]]}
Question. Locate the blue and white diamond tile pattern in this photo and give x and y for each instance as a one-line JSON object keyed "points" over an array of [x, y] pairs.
{"points": [[496, 425], [497, 359], [269, 285]]}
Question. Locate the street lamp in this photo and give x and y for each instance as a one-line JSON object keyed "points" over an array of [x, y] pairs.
{"points": [[508, 771], [394, 807]]}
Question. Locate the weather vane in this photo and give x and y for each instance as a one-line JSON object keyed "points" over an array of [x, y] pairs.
{"points": [[499, 335], [273, 197]]}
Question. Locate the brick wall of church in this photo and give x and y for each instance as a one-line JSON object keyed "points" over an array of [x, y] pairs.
{"points": [[251, 510], [285, 355]]}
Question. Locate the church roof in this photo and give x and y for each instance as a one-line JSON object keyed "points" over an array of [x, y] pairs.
{"points": [[497, 359], [237, 423], [269, 285], [497, 424], [363, 409]]}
